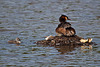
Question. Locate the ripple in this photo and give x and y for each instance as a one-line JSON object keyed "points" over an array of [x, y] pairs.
{"points": [[31, 20]]}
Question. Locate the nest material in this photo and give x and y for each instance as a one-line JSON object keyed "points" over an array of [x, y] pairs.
{"points": [[62, 40]]}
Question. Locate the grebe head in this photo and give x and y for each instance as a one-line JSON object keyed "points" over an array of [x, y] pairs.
{"points": [[63, 18], [18, 40]]}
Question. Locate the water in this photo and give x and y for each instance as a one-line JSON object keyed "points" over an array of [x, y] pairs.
{"points": [[31, 20]]}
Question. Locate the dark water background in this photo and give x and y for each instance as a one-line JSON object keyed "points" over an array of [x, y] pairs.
{"points": [[31, 20]]}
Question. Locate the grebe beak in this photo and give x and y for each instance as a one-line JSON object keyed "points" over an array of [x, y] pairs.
{"points": [[69, 19]]}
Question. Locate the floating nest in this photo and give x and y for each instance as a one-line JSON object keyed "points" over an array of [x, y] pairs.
{"points": [[63, 40]]}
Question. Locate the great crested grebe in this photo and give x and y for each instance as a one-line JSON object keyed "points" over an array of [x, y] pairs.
{"points": [[64, 28]]}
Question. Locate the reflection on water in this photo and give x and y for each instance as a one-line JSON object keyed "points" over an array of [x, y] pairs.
{"points": [[65, 49], [31, 20]]}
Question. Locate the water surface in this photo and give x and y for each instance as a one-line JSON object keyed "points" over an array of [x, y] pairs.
{"points": [[31, 20]]}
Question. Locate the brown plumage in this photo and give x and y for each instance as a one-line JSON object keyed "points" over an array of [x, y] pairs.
{"points": [[64, 28], [16, 41], [70, 31]]}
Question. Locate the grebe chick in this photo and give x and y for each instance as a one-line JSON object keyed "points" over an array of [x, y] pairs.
{"points": [[49, 37], [89, 40], [16, 41]]}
